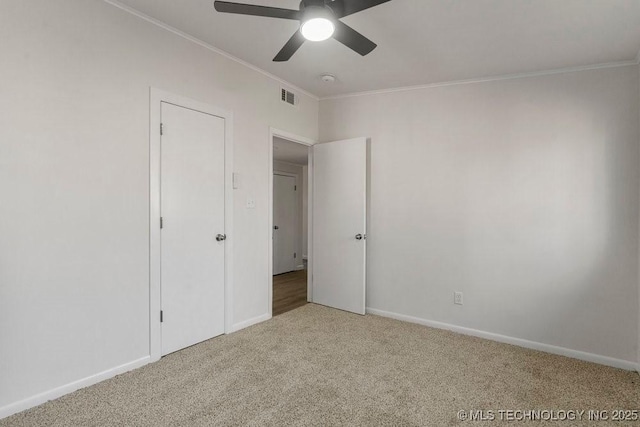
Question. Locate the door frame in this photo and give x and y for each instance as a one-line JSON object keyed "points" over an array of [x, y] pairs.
{"points": [[309, 143], [156, 98]]}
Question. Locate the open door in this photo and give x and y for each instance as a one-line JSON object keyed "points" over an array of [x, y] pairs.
{"points": [[339, 224]]}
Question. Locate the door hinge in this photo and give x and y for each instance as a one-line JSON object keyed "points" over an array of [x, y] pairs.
{"points": [[161, 223], [161, 129], [295, 188], [294, 255], [161, 316]]}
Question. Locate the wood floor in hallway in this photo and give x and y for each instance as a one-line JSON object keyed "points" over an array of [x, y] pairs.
{"points": [[289, 291]]}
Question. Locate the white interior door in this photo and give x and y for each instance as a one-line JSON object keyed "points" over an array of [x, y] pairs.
{"points": [[192, 210], [339, 224], [285, 217]]}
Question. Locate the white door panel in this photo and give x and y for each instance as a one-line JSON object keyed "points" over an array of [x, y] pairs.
{"points": [[285, 217], [339, 216], [192, 208]]}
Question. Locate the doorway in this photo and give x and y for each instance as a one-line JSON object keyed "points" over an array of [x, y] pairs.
{"points": [[290, 195], [336, 183]]}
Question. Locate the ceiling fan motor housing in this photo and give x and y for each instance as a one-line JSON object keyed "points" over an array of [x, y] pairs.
{"points": [[310, 3], [310, 9], [314, 12], [334, 8]]}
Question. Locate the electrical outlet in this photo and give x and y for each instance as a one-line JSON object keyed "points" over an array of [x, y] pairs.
{"points": [[457, 298], [251, 203]]}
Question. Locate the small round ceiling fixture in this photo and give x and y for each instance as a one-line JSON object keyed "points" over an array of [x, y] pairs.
{"points": [[317, 24], [328, 78]]}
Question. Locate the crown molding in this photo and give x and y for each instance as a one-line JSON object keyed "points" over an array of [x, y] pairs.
{"points": [[227, 55], [486, 79], [206, 45]]}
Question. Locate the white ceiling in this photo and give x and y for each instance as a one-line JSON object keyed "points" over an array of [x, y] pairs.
{"points": [[290, 152], [421, 41]]}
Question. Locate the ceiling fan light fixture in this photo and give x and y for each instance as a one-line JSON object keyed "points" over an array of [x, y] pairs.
{"points": [[317, 23], [317, 29]]}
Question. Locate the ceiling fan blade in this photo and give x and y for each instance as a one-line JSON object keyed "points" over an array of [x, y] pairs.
{"points": [[290, 47], [342, 8], [255, 10], [353, 39]]}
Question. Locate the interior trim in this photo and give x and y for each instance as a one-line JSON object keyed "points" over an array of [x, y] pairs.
{"points": [[206, 45], [489, 79], [38, 399], [547, 348], [212, 48], [253, 321]]}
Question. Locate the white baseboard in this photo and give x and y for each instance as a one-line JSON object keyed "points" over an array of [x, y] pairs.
{"points": [[38, 399], [576, 354], [41, 398], [300, 267], [250, 322]]}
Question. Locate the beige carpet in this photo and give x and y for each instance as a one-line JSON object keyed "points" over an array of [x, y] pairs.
{"points": [[318, 366]]}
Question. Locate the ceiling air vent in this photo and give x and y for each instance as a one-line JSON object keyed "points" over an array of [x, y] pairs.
{"points": [[288, 97]]}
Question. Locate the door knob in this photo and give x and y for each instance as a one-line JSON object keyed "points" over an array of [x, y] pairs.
{"points": [[275, 227], [221, 237], [359, 237]]}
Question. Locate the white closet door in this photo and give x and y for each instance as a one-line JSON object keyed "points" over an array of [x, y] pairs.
{"points": [[192, 210]]}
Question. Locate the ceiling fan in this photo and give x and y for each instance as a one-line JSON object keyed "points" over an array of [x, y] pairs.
{"points": [[319, 20]]}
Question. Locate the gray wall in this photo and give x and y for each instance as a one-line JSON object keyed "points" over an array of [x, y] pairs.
{"points": [[74, 184], [521, 193]]}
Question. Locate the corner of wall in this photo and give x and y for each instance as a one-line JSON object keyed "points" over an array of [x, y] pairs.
{"points": [[638, 343]]}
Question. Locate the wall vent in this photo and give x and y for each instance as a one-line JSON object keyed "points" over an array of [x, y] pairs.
{"points": [[288, 97]]}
